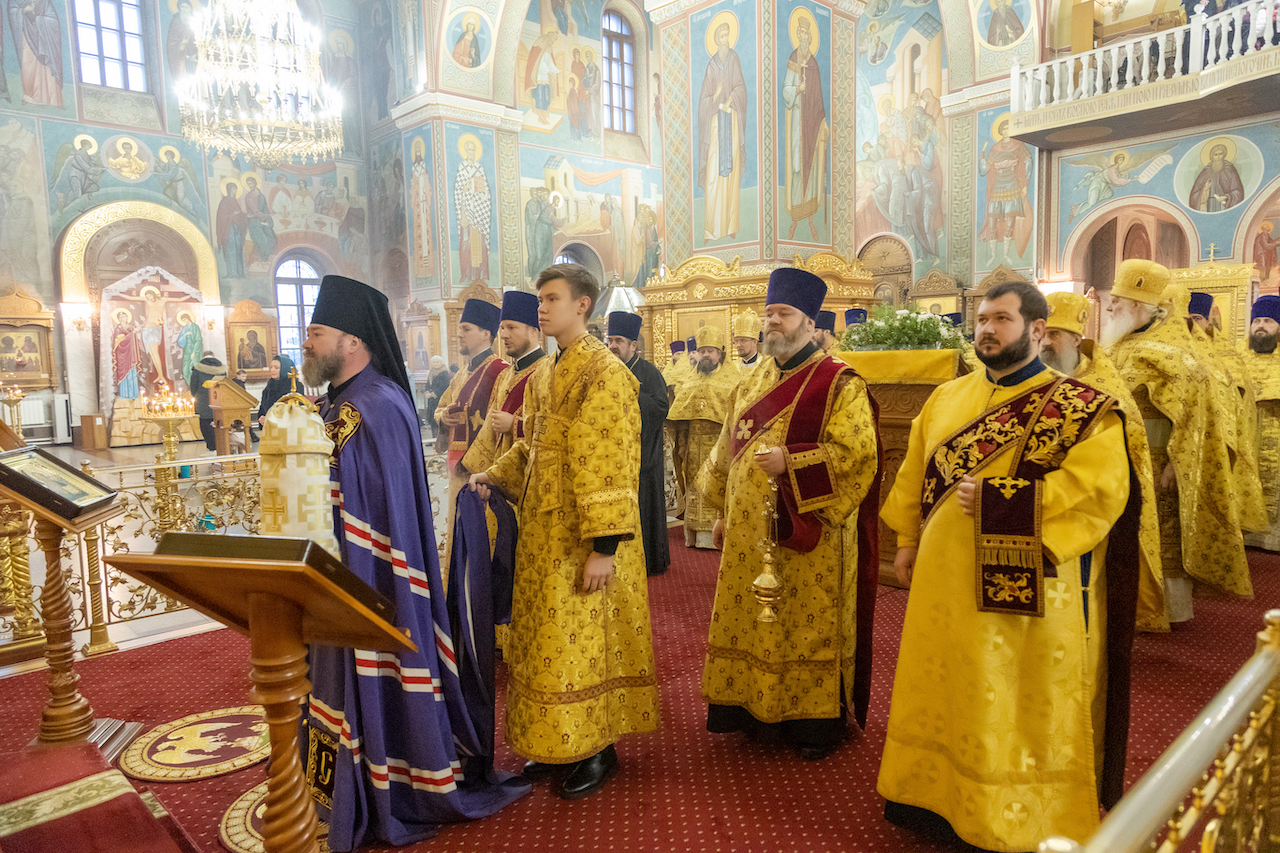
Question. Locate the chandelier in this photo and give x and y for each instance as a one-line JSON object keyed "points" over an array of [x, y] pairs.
{"points": [[256, 89]]}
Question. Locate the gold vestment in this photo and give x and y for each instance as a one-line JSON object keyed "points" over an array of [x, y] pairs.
{"points": [[581, 666], [702, 404], [1262, 371]]}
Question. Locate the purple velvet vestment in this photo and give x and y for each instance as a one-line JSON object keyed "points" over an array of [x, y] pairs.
{"points": [[407, 757]]}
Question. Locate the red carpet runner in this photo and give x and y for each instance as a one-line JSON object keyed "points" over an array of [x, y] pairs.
{"points": [[680, 789]]}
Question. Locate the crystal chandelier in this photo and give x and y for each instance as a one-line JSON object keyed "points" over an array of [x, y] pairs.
{"points": [[256, 89]]}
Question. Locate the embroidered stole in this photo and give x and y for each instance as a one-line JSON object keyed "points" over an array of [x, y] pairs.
{"points": [[473, 401], [1039, 427], [515, 401]]}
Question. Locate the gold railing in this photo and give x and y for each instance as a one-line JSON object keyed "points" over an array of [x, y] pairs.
{"points": [[214, 495], [1219, 777]]}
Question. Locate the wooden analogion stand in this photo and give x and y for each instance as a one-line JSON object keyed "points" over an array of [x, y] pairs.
{"points": [[283, 594]]}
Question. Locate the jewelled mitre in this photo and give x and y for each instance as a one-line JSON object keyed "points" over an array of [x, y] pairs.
{"points": [[296, 491]]}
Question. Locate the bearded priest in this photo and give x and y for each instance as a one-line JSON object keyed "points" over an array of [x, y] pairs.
{"points": [[1066, 350], [1262, 369], [1199, 517], [1013, 476], [394, 728], [801, 436]]}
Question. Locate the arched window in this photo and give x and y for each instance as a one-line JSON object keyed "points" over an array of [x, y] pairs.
{"points": [[109, 38], [618, 94], [567, 259], [297, 285]]}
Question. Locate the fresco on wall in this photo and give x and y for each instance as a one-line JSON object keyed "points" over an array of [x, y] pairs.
{"points": [[1005, 195], [419, 149], [470, 40], [377, 62], [338, 63], [388, 204], [558, 75], [1004, 34], [804, 130], [409, 49], [178, 51], [36, 60], [903, 150], [87, 169], [723, 64], [469, 170], [262, 213], [610, 210], [1216, 176], [24, 212]]}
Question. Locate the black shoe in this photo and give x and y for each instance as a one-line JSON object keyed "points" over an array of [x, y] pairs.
{"points": [[536, 771], [590, 774], [817, 752]]}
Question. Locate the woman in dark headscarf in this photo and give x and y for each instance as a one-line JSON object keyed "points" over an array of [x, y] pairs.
{"points": [[277, 386]]}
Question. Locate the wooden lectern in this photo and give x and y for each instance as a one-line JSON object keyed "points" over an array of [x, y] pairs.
{"points": [[230, 403], [284, 594]]}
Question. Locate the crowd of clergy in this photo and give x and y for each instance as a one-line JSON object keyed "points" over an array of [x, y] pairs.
{"points": [[1058, 496]]}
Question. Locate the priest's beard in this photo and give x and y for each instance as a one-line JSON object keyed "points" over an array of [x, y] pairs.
{"points": [[1261, 342], [786, 344], [1009, 355], [707, 366], [319, 369], [1118, 326], [1064, 362]]}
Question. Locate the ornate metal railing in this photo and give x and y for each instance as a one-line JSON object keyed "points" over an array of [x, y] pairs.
{"points": [[1235, 801], [1148, 59], [214, 495]]}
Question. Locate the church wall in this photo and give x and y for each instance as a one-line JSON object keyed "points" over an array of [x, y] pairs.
{"points": [[1170, 172]]}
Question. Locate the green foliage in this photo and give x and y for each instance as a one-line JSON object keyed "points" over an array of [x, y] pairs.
{"points": [[887, 329]]}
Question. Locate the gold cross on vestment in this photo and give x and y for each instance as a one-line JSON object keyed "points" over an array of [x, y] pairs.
{"points": [[744, 428], [1008, 485], [477, 420]]}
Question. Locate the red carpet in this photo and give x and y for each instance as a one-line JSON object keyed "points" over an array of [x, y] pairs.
{"points": [[680, 788]]}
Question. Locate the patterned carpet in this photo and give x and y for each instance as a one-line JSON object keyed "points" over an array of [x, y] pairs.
{"points": [[680, 788]]}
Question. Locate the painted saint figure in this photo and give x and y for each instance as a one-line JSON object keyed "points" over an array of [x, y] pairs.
{"points": [[422, 207], [1218, 186], [807, 129], [722, 117], [180, 43], [472, 204], [260, 225], [466, 50], [232, 225], [539, 70], [1007, 168], [1265, 255], [125, 355], [1005, 27], [191, 339], [37, 37]]}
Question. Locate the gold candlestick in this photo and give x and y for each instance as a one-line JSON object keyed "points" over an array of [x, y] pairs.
{"points": [[169, 411], [767, 585], [13, 397]]}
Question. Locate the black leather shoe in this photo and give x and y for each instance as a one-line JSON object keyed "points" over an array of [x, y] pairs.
{"points": [[590, 774], [536, 771], [817, 753]]}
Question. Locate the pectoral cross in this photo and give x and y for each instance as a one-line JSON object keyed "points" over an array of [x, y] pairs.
{"points": [[744, 429]]}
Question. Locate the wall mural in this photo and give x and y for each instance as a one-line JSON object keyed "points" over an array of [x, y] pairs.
{"points": [[469, 170], [36, 61], [612, 210], [262, 213], [723, 67], [89, 168], [1005, 33], [470, 40], [901, 178], [558, 75], [24, 211], [804, 129], [1211, 177], [419, 150], [388, 201], [1005, 194], [338, 64], [377, 61], [1263, 245]]}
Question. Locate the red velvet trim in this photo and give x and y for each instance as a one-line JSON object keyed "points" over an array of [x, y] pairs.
{"points": [[473, 396], [515, 402], [813, 481], [765, 410], [801, 530]]}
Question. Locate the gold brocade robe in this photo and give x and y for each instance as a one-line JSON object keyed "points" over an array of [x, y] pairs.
{"points": [[1167, 379], [702, 404], [675, 374], [1096, 369], [994, 721], [1236, 410], [1263, 373], [792, 668], [581, 666]]}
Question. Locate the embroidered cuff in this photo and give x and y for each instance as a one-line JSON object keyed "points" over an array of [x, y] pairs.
{"points": [[809, 469]]}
